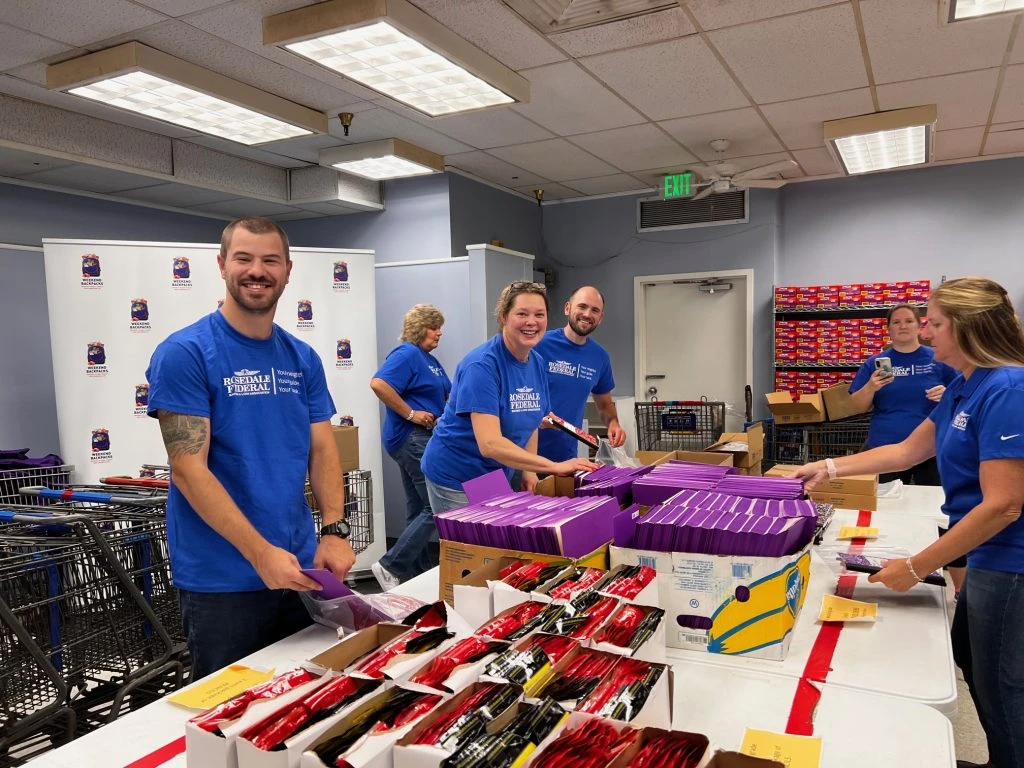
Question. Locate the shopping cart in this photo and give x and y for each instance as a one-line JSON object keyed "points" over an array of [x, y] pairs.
{"points": [[13, 479], [801, 443], [678, 425], [358, 508], [81, 638]]}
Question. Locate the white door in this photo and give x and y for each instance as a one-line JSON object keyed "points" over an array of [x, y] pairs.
{"points": [[695, 344]]}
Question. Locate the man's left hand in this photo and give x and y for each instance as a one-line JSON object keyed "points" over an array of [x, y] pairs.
{"points": [[616, 435], [336, 555]]}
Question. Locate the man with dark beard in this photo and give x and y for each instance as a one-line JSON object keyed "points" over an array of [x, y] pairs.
{"points": [[577, 367], [245, 414]]}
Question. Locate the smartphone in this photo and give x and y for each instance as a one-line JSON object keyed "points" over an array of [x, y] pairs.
{"points": [[884, 364]]}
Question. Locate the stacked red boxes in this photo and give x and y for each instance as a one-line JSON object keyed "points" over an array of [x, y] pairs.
{"points": [[917, 291], [849, 295], [828, 296], [806, 297], [873, 294], [785, 297], [894, 293]]}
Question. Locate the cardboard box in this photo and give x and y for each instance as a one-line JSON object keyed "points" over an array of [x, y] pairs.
{"points": [[653, 458], [347, 440], [459, 560], [652, 650], [838, 402], [845, 500], [473, 600], [858, 485], [746, 448], [737, 760], [343, 655], [625, 759], [553, 485], [807, 410]]}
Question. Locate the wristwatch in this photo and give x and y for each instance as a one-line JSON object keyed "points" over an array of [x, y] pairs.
{"points": [[340, 529]]}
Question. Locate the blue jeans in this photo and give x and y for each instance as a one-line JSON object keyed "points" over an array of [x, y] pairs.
{"points": [[407, 559], [222, 627], [988, 646], [442, 499]]}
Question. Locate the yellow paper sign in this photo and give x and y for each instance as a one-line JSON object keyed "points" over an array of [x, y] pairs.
{"points": [[835, 608], [857, 532], [218, 689], [791, 751]]}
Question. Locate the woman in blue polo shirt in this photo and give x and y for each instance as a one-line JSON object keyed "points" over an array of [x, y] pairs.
{"points": [[977, 433], [414, 387], [499, 396]]}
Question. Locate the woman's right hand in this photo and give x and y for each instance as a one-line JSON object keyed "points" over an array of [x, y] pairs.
{"points": [[879, 380], [813, 474], [572, 466]]}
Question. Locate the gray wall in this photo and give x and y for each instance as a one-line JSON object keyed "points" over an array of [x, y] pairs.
{"points": [[413, 226], [596, 242], [480, 214]]}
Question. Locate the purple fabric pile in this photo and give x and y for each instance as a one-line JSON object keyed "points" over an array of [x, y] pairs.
{"points": [[666, 480], [611, 481], [542, 524]]}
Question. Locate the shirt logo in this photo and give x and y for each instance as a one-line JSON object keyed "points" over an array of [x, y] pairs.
{"points": [[1009, 437], [246, 382], [960, 422], [562, 368], [524, 400], [435, 369]]}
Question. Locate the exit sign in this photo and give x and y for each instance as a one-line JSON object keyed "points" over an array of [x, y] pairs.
{"points": [[677, 185]]}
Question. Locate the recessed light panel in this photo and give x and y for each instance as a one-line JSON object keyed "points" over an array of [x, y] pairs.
{"points": [[883, 140], [381, 160], [972, 9]]}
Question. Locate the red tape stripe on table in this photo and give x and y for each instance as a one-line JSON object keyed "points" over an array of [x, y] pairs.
{"points": [[819, 662], [165, 754]]}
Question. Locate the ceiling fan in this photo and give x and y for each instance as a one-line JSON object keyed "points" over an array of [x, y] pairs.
{"points": [[722, 177]]}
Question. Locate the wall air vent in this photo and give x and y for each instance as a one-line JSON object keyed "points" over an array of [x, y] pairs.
{"points": [[654, 214]]}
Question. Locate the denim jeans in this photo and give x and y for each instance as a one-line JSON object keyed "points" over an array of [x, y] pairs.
{"points": [[442, 499], [988, 646], [222, 627], [408, 558]]}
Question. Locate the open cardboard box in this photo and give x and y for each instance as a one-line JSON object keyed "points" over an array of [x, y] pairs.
{"points": [[347, 440], [853, 492], [838, 402], [808, 409], [473, 599], [747, 448], [653, 649], [654, 458], [542, 676], [646, 734]]}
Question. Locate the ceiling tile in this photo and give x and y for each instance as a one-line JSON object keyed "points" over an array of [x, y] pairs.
{"points": [[713, 14], [795, 56], [744, 128], [816, 162], [245, 207], [953, 145], [491, 128], [178, 195], [634, 148], [626, 33], [380, 123], [798, 122], [252, 153], [18, 47], [492, 26], [1017, 54], [493, 169], [180, 7], [739, 164], [552, 191], [1010, 106], [566, 99], [603, 185], [906, 41], [672, 79], [82, 23], [14, 162], [90, 178], [304, 148], [1003, 139], [556, 159], [963, 100]]}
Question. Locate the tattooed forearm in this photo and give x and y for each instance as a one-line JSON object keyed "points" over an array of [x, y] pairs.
{"points": [[183, 435]]}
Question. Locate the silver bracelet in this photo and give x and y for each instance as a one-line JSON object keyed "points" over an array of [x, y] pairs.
{"points": [[910, 567]]}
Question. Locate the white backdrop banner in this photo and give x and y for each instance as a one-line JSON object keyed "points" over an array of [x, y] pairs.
{"points": [[112, 302]]}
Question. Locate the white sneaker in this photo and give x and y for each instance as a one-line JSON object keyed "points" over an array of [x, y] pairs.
{"points": [[385, 578]]}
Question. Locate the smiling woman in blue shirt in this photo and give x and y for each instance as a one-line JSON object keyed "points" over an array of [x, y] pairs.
{"points": [[977, 433], [499, 396]]}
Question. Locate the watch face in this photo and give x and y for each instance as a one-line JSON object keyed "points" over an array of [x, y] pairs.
{"points": [[340, 528]]}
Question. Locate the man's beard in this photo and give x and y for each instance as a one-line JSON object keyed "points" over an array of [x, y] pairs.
{"points": [[579, 330]]}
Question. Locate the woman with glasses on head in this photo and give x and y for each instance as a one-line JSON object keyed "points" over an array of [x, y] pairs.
{"points": [[499, 396], [977, 433]]}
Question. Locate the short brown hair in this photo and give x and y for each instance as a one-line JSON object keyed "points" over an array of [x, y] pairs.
{"points": [[916, 311], [509, 293], [418, 320], [258, 226], [985, 327]]}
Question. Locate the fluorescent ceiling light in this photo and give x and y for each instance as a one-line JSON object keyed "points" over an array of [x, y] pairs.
{"points": [[149, 82], [883, 140], [958, 10], [396, 49], [380, 160]]}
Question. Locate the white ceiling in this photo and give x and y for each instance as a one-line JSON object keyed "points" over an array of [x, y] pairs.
{"points": [[612, 107]]}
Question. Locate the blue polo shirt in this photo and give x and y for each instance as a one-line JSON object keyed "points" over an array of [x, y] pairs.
{"points": [[420, 379], [901, 406], [980, 419], [488, 380], [574, 371]]}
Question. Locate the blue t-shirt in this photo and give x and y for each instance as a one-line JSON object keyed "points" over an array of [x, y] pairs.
{"points": [[488, 380], [574, 371], [900, 407], [420, 380], [261, 396], [979, 419]]}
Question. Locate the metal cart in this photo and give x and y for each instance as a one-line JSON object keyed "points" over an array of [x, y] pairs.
{"points": [[678, 425], [13, 479], [801, 443], [358, 508]]}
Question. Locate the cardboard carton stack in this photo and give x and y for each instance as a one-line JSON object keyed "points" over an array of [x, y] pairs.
{"points": [[854, 492]]}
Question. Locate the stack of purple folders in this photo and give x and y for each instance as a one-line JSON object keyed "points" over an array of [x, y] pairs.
{"points": [[542, 524], [611, 481], [713, 523], [668, 479]]}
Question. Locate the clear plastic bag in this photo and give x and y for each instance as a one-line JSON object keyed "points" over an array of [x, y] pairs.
{"points": [[616, 457], [354, 612]]}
